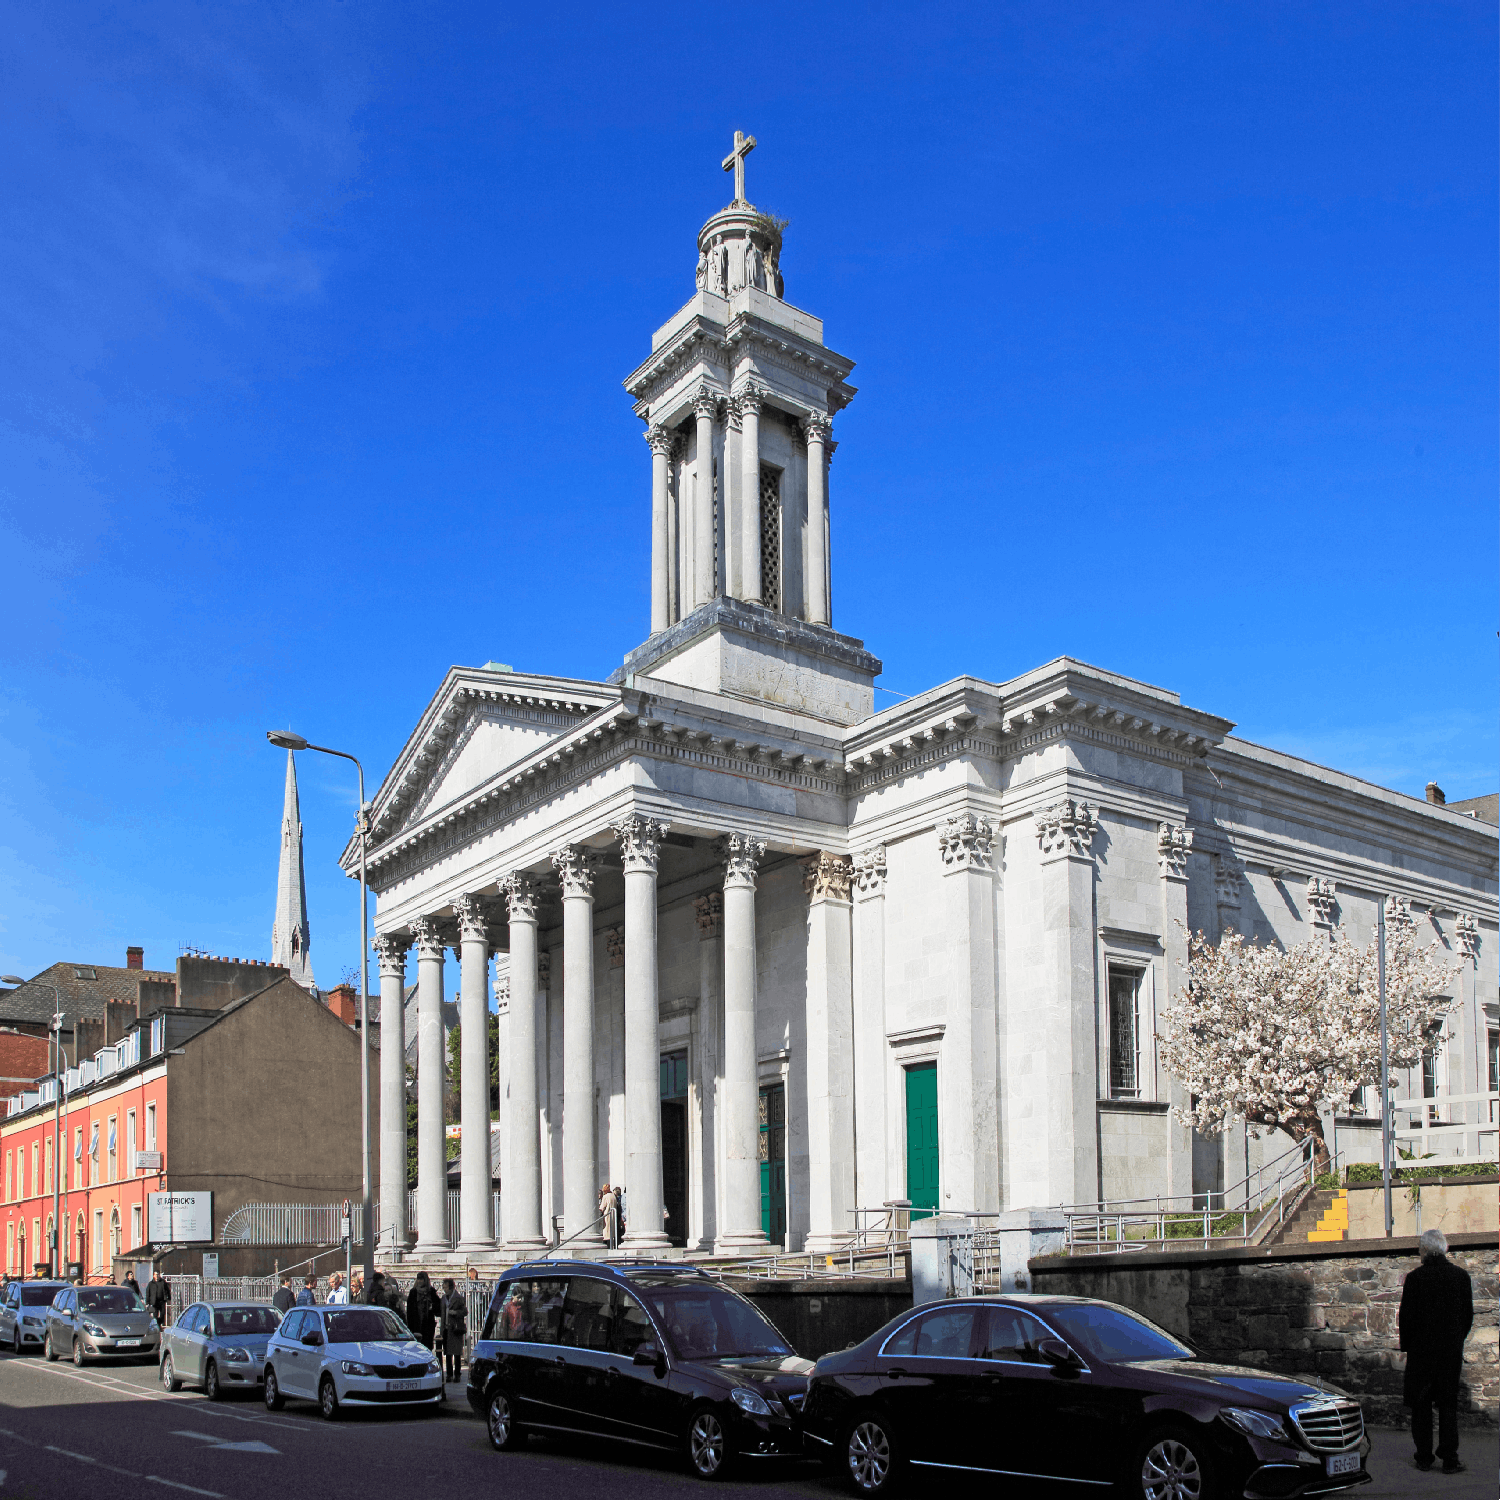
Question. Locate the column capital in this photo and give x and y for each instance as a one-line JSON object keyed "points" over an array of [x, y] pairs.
{"points": [[475, 916], [817, 427], [1226, 880], [575, 867], [869, 871], [1322, 901], [1398, 917], [640, 841], [1467, 928], [706, 403], [660, 440], [501, 989], [1174, 843], [751, 399], [826, 877], [614, 946], [741, 854], [521, 896], [709, 912], [966, 842], [1066, 829], [390, 948], [430, 937]]}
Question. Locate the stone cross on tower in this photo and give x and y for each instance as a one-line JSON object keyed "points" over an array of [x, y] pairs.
{"points": [[735, 162]]}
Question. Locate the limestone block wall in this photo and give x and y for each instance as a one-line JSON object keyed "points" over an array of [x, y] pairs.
{"points": [[1454, 1207], [1132, 1148], [1328, 1311]]}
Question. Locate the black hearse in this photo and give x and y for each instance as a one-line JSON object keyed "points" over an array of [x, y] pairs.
{"points": [[655, 1354]]}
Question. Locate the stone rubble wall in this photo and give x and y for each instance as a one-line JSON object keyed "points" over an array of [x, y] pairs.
{"points": [[1306, 1310]]}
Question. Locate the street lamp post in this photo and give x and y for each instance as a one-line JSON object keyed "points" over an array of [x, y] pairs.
{"points": [[286, 740], [55, 1032], [1385, 1068]]}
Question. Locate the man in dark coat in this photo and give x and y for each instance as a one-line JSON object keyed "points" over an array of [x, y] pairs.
{"points": [[158, 1295], [285, 1299], [422, 1308], [1437, 1311]]}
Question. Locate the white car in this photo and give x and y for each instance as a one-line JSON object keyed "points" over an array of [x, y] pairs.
{"points": [[349, 1357]]}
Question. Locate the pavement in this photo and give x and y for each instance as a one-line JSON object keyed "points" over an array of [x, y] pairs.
{"points": [[112, 1433]]}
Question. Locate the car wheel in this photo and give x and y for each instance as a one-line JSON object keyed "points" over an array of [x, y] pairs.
{"points": [[328, 1400], [500, 1422], [871, 1457], [169, 1375], [47, 1348], [211, 1382], [1171, 1464], [707, 1444], [78, 1352], [15, 1340], [274, 1399]]}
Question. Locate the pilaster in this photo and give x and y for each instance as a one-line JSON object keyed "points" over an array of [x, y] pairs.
{"points": [[875, 1178], [1174, 847]]}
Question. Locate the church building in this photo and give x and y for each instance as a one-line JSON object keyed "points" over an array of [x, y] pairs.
{"points": [[767, 956]]}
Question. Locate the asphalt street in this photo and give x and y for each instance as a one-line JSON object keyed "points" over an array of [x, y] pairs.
{"points": [[107, 1433]]}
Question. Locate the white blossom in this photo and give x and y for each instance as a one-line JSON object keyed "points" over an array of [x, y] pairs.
{"points": [[1275, 1036]]}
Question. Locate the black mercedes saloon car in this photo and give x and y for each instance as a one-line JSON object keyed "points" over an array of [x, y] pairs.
{"points": [[1070, 1389], [650, 1353]]}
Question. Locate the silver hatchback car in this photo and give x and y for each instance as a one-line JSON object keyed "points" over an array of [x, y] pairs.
{"points": [[218, 1345], [100, 1322], [23, 1313]]}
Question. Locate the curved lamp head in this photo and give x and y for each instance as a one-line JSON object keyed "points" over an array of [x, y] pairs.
{"points": [[284, 739], [11, 979]]}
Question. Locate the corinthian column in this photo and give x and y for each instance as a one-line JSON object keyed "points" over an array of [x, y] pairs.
{"points": [[705, 585], [521, 1197], [432, 1173], [661, 447], [640, 842], [741, 1226], [751, 402], [575, 868], [817, 428], [390, 948], [476, 1231]]}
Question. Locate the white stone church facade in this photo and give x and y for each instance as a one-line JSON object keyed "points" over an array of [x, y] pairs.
{"points": [[765, 955]]}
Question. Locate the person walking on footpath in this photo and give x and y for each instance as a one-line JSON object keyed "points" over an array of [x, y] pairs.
{"points": [[422, 1310], [609, 1212], [132, 1283], [158, 1294], [1437, 1311], [338, 1293], [455, 1326], [374, 1293], [308, 1296], [285, 1299]]}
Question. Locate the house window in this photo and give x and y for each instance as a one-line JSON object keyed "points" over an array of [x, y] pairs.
{"points": [[36, 1242], [135, 1225], [1124, 1033], [78, 1156], [49, 1167], [98, 1239], [94, 1154], [114, 1233], [113, 1157], [130, 1145], [1430, 1055], [10, 1247], [151, 1127], [36, 1175], [9, 1157], [770, 536]]}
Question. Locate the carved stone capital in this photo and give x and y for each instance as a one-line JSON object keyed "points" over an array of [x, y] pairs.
{"points": [[732, 414], [741, 855], [1398, 917], [816, 428], [640, 842], [966, 842], [660, 439], [706, 403], [521, 896], [1226, 880], [1174, 843], [614, 946], [501, 989], [826, 877], [869, 870], [430, 938], [1322, 900], [1467, 930], [709, 911], [575, 867], [390, 949], [1067, 828], [752, 400], [474, 918]]}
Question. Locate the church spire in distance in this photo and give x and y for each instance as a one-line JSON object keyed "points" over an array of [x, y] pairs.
{"points": [[290, 937]]}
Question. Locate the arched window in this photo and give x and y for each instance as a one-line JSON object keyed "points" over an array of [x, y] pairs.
{"points": [[83, 1240]]}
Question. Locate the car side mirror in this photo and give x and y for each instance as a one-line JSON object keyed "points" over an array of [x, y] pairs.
{"points": [[646, 1354], [1057, 1354], [312, 1340]]}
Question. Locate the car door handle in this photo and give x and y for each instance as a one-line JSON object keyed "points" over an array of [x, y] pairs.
{"points": [[558, 1359], [895, 1372]]}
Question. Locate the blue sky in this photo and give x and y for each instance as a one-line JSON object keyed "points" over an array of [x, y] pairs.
{"points": [[1175, 330]]}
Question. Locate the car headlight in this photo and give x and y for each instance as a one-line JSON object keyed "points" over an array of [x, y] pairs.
{"points": [[94, 1329], [27, 1318], [749, 1401], [354, 1367], [434, 1368], [237, 1356], [1261, 1424]]}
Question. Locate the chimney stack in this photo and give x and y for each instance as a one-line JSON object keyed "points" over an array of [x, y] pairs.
{"points": [[1435, 795], [135, 958]]}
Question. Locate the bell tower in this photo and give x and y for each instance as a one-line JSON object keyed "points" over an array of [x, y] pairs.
{"points": [[738, 397]]}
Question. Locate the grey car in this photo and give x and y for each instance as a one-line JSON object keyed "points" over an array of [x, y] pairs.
{"points": [[23, 1313], [218, 1345], [100, 1322]]}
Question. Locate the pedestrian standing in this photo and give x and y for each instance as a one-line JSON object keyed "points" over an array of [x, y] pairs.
{"points": [[357, 1287], [158, 1294], [1437, 1311], [455, 1326], [308, 1296], [422, 1310], [285, 1299], [374, 1294], [132, 1283], [338, 1293], [609, 1215]]}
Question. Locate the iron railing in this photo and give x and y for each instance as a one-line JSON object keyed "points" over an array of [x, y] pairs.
{"points": [[1438, 1129]]}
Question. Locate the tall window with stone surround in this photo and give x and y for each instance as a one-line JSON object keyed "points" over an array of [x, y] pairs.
{"points": [[770, 536], [1124, 1033]]}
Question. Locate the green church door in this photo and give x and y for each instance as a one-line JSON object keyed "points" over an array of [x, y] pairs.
{"points": [[773, 1163], [922, 1139]]}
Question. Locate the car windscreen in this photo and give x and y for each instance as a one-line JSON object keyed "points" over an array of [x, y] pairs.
{"points": [[358, 1325], [1113, 1333], [37, 1296], [707, 1322], [240, 1322], [109, 1299]]}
